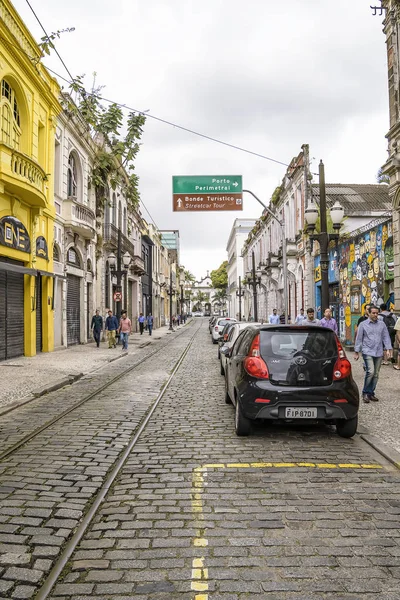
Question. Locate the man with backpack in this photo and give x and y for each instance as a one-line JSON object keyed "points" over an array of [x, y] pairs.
{"points": [[390, 321]]}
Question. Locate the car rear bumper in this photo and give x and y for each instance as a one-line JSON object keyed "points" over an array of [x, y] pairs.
{"points": [[323, 399]]}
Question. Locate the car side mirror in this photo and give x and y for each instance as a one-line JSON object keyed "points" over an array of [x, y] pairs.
{"points": [[226, 351]]}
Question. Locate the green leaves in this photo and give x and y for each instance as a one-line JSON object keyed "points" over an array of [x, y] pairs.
{"points": [[46, 43], [219, 277]]}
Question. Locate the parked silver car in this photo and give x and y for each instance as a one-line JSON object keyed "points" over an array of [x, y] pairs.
{"points": [[231, 335], [218, 327]]}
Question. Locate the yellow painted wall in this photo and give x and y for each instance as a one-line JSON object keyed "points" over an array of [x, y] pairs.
{"points": [[37, 95]]}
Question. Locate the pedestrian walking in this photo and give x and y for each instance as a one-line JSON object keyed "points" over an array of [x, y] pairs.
{"points": [[125, 329], [97, 327], [373, 341], [390, 321], [150, 323], [111, 328], [300, 317], [328, 321], [397, 343], [141, 320], [310, 319], [274, 318], [282, 318], [364, 317]]}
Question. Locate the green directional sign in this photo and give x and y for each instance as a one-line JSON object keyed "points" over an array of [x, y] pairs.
{"points": [[207, 192]]}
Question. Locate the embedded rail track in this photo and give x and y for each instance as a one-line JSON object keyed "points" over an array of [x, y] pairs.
{"points": [[24, 438]]}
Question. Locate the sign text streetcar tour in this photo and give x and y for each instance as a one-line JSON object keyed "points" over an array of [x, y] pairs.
{"points": [[207, 192]]}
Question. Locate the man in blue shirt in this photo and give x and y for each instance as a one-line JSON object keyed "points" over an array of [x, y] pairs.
{"points": [[373, 340], [111, 328], [274, 318]]}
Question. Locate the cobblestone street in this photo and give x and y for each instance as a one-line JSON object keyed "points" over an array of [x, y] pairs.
{"points": [[290, 513]]}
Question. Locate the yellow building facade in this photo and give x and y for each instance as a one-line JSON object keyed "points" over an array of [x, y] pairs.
{"points": [[29, 107]]}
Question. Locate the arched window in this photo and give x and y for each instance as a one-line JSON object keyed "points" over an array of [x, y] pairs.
{"points": [[73, 258], [114, 209], [10, 118], [89, 266], [120, 215], [72, 177], [56, 253]]}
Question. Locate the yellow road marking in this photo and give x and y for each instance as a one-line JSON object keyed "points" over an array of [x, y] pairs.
{"points": [[199, 572]]}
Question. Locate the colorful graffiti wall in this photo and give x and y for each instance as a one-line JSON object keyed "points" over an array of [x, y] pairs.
{"points": [[364, 268]]}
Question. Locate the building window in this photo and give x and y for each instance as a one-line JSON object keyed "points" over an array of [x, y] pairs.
{"points": [[73, 258], [145, 257], [56, 253], [72, 185], [114, 209], [10, 117]]}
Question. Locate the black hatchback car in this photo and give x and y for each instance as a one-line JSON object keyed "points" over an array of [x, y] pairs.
{"points": [[290, 373]]}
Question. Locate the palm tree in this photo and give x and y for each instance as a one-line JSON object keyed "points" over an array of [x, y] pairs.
{"points": [[220, 297], [199, 298]]}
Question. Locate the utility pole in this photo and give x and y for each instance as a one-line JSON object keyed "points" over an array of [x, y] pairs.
{"points": [[323, 240]]}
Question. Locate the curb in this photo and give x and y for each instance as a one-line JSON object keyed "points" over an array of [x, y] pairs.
{"points": [[384, 449], [58, 385]]}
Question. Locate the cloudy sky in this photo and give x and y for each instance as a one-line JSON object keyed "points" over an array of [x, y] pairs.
{"points": [[265, 75]]}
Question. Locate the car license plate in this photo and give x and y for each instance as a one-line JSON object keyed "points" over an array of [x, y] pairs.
{"points": [[300, 413]]}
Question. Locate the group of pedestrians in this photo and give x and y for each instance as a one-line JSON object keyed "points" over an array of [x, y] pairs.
{"points": [[118, 330]]}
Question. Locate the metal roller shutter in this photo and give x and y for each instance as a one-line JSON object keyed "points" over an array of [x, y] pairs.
{"points": [[38, 314], [14, 315], [3, 354], [73, 310]]}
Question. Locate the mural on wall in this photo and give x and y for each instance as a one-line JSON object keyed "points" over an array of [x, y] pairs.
{"points": [[366, 273], [364, 268]]}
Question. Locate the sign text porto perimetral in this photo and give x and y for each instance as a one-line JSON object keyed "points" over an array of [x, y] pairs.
{"points": [[207, 192]]}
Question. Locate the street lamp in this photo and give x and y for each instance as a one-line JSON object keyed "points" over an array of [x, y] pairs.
{"points": [[119, 266], [254, 278], [171, 292], [311, 215], [239, 294], [281, 223]]}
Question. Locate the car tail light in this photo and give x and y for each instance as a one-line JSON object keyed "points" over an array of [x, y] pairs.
{"points": [[340, 401], [342, 368], [262, 401], [253, 363], [216, 328]]}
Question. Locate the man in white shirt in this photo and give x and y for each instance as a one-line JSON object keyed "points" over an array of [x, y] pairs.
{"points": [[274, 318], [300, 317]]}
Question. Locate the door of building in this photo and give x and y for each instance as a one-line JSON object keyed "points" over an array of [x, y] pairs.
{"points": [[73, 310], [11, 314], [38, 313]]}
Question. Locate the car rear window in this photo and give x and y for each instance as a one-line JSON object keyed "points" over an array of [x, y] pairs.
{"points": [[223, 322], [299, 358], [285, 344]]}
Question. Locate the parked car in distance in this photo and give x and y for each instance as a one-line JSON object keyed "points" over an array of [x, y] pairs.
{"points": [[288, 373], [218, 327], [229, 336], [211, 323], [197, 313]]}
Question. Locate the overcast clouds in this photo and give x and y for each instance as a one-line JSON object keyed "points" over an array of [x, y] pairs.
{"points": [[265, 75]]}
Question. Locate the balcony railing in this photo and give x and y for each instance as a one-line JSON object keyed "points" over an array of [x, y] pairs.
{"points": [[22, 176], [79, 217], [110, 239], [137, 265]]}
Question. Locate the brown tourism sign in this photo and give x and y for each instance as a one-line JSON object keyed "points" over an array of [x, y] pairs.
{"points": [[207, 192]]}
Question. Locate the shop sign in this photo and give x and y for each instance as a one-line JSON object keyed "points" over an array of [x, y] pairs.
{"points": [[13, 234], [41, 248]]}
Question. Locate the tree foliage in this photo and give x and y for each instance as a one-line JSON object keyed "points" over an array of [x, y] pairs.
{"points": [[219, 277], [115, 151]]}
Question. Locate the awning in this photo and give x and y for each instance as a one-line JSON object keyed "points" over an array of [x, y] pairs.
{"points": [[4, 266]]}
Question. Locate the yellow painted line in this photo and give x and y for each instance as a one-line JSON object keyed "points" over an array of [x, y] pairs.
{"points": [[199, 578]]}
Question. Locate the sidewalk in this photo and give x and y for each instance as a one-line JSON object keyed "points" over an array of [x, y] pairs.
{"points": [[24, 378]]}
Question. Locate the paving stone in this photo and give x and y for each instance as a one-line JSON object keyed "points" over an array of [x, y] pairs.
{"points": [[23, 592], [15, 559], [23, 575]]}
